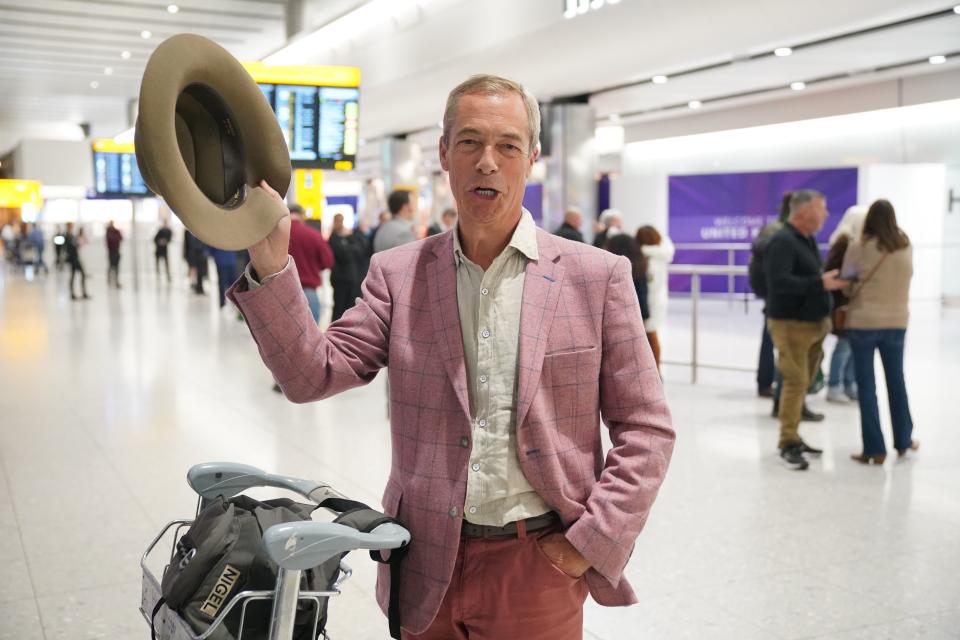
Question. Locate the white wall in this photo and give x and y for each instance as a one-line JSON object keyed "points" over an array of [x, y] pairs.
{"points": [[916, 193], [55, 162]]}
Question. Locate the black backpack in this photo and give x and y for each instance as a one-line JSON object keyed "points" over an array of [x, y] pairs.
{"points": [[222, 554], [755, 271]]}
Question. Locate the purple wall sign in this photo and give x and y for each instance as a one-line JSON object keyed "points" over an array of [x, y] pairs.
{"points": [[533, 201], [733, 207]]}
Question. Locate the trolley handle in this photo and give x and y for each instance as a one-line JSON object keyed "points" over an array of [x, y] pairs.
{"points": [[227, 479], [302, 545]]}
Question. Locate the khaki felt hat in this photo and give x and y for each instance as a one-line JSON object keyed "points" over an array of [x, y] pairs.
{"points": [[205, 138]]}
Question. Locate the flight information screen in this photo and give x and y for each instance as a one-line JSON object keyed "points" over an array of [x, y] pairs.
{"points": [[320, 124], [117, 174]]}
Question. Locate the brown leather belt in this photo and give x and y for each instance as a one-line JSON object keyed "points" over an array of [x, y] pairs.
{"points": [[509, 530]]}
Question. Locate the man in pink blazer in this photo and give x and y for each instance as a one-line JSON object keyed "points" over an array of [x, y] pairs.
{"points": [[505, 346]]}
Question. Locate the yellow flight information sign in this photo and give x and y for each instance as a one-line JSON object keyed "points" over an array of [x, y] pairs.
{"points": [[310, 75], [16, 193], [308, 192]]}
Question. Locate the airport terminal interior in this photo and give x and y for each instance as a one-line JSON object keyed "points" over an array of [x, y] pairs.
{"points": [[679, 125]]}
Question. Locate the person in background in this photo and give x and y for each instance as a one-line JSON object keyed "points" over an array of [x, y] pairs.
{"points": [[227, 272], [398, 230], [9, 236], [58, 241], [658, 252], [114, 238], [312, 256], [609, 225], [570, 229], [161, 244], [881, 267], [842, 380], [349, 255], [71, 247], [382, 219], [195, 254], [624, 245], [447, 219], [766, 367], [37, 240], [798, 314]]}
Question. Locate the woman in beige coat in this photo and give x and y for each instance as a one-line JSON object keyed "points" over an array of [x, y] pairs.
{"points": [[881, 265]]}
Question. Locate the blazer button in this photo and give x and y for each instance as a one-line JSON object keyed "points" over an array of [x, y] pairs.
{"points": [[464, 442], [453, 512]]}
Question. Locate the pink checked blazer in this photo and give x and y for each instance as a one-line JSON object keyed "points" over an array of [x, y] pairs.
{"points": [[583, 356]]}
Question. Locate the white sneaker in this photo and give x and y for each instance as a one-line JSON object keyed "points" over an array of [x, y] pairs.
{"points": [[836, 394]]}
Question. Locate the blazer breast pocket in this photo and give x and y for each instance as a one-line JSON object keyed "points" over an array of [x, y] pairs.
{"points": [[568, 368]]}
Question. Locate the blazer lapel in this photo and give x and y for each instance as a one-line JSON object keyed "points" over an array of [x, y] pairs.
{"points": [[442, 289], [541, 293]]}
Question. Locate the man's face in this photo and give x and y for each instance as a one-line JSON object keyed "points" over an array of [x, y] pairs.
{"points": [[819, 213], [488, 158]]}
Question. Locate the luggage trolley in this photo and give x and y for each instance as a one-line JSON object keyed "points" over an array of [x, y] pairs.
{"points": [[320, 542]]}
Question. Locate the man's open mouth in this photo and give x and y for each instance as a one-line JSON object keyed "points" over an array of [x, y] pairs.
{"points": [[486, 193]]}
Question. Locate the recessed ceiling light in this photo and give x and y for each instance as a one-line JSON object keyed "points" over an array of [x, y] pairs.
{"points": [[938, 59], [94, 84], [108, 71], [146, 35], [694, 104], [956, 9], [659, 79], [798, 86], [172, 8], [782, 52], [125, 55]]}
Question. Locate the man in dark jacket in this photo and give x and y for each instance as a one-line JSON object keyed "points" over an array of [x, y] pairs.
{"points": [[798, 313], [570, 229]]}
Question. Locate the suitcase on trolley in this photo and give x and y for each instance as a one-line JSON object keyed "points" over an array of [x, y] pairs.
{"points": [[250, 570]]}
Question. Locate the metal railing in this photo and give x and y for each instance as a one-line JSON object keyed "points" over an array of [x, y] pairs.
{"points": [[731, 249], [696, 271]]}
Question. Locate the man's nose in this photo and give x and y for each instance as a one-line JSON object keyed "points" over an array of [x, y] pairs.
{"points": [[487, 164]]}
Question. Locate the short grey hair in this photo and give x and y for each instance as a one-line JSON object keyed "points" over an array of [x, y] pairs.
{"points": [[803, 197], [491, 85]]}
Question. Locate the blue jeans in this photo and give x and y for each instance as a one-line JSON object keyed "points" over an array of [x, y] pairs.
{"points": [[890, 344], [842, 369], [314, 301]]}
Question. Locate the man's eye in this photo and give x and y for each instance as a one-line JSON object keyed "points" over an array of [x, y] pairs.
{"points": [[467, 143]]}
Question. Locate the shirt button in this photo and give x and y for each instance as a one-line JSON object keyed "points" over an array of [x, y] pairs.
{"points": [[475, 467], [464, 442], [453, 512], [485, 333], [482, 422], [473, 509], [484, 291], [483, 378]]}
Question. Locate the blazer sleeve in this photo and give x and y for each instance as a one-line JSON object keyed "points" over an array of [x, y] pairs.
{"points": [[307, 363], [633, 407]]}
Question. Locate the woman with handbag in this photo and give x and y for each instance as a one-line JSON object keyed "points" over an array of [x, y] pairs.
{"points": [[881, 265]]}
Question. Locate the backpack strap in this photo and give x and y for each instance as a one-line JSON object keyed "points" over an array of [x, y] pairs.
{"points": [[153, 616], [363, 518]]}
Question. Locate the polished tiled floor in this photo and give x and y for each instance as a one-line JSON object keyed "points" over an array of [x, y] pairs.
{"points": [[105, 404]]}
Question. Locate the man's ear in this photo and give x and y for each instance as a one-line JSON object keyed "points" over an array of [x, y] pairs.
{"points": [[533, 158], [442, 151]]}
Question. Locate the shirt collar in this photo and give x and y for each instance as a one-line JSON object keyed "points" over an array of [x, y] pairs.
{"points": [[524, 239]]}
